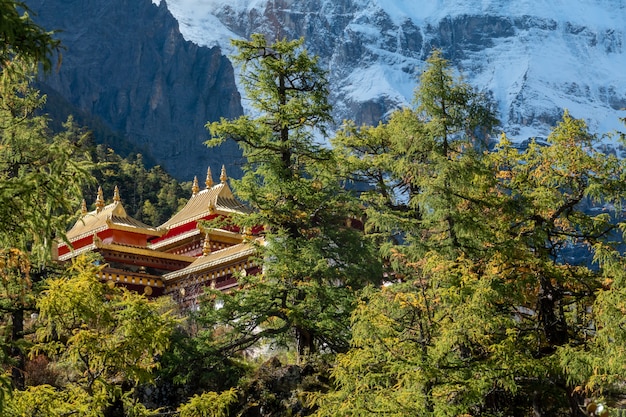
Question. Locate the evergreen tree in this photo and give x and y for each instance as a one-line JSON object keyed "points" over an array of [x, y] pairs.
{"points": [[428, 184], [313, 260], [104, 340], [493, 309], [41, 176], [23, 38]]}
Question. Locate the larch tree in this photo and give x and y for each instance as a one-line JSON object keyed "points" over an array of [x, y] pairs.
{"points": [[417, 165], [428, 183], [38, 174], [313, 259], [103, 340], [508, 290], [21, 37], [41, 175]]}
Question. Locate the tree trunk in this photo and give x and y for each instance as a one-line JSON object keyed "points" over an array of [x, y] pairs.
{"points": [[552, 320], [17, 333], [306, 342], [576, 401]]}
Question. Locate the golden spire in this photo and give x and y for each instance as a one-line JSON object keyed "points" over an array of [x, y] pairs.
{"points": [[99, 200], [209, 178], [223, 176], [116, 195], [83, 207], [194, 187], [206, 248]]}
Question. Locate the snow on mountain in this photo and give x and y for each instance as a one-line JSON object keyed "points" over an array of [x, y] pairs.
{"points": [[536, 57]]}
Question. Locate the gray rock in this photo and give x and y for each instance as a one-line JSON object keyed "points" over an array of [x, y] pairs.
{"points": [[126, 62]]}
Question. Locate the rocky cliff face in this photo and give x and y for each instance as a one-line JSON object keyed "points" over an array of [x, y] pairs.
{"points": [[127, 63], [537, 58]]}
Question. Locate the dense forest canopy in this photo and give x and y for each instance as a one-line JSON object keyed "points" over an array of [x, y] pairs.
{"points": [[467, 277]]}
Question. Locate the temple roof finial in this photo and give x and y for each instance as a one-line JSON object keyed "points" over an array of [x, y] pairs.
{"points": [[195, 188], [209, 178], [206, 247], [83, 207], [223, 176], [99, 200], [116, 195]]}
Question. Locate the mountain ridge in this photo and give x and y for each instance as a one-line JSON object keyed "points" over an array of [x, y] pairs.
{"points": [[537, 58], [125, 62]]}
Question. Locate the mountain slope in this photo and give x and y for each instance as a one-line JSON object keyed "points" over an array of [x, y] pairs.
{"points": [[536, 57], [126, 63]]}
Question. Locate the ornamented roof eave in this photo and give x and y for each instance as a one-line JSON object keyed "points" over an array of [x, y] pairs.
{"points": [[143, 251], [177, 238], [85, 234], [222, 256], [200, 216], [110, 224], [98, 244], [73, 253], [195, 232]]}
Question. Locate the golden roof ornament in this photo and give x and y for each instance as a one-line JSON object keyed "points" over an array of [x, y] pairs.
{"points": [[116, 195], [206, 247], [195, 188], [99, 200], [83, 207], [209, 178], [223, 176]]}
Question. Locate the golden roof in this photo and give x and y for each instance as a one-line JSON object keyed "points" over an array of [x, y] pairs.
{"points": [[112, 216], [98, 244], [212, 259], [216, 199]]}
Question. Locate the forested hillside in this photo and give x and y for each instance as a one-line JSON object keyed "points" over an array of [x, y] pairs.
{"points": [[149, 195], [441, 289]]}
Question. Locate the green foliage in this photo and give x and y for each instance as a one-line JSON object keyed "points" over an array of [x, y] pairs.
{"points": [[485, 313], [312, 260], [190, 366], [47, 401], [209, 404], [103, 338], [41, 174], [450, 108], [289, 90], [420, 164], [5, 390], [22, 38]]}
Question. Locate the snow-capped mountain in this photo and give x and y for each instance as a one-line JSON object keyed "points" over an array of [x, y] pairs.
{"points": [[537, 57]]}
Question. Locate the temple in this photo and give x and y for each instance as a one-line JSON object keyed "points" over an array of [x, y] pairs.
{"points": [[178, 258]]}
